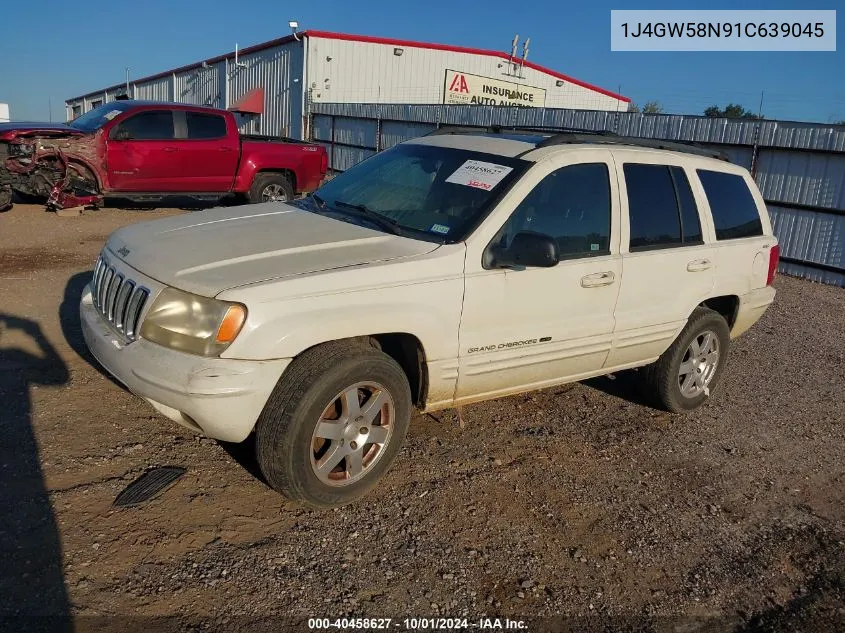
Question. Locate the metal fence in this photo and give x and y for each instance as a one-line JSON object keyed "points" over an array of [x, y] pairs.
{"points": [[799, 167]]}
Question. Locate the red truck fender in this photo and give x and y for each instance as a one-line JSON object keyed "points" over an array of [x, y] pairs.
{"points": [[305, 164]]}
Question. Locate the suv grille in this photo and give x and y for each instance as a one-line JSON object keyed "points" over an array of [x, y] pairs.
{"points": [[118, 299]]}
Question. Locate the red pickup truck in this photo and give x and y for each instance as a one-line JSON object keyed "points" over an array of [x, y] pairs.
{"points": [[146, 151]]}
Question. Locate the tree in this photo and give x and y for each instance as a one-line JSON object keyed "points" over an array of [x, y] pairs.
{"points": [[731, 111], [650, 107]]}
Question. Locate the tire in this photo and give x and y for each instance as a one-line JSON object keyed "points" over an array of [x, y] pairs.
{"points": [[663, 382], [290, 448], [270, 187]]}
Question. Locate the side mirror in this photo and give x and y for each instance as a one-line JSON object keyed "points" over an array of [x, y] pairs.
{"points": [[529, 250]]}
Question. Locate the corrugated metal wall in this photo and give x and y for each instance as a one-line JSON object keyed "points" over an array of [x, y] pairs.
{"points": [[800, 167], [277, 69]]}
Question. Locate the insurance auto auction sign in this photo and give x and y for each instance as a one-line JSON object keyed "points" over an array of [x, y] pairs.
{"points": [[465, 89]]}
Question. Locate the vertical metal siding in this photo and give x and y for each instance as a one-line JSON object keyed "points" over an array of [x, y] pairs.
{"points": [[803, 178], [200, 86], [274, 69], [156, 90]]}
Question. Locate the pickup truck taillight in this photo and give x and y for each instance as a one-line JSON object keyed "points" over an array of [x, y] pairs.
{"points": [[774, 258], [324, 163]]}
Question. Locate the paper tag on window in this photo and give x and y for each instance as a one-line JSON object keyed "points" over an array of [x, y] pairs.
{"points": [[110, 115], [439, 228], [478, 174]]}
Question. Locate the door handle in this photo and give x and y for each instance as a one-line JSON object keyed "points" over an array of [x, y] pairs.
{"points": [[170, 149], [699, 265], [597, 280]]}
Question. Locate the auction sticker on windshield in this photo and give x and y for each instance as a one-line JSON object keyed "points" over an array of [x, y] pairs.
{"points": [[478, 174]]}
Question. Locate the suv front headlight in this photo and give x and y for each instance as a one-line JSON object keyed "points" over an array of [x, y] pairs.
{"points": [[191, 323]]}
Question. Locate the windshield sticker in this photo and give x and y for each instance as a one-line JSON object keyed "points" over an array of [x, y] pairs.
{"points": [[478, 174], [439, 228], [110, 115]]}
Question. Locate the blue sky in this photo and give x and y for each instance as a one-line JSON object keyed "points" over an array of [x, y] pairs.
{"points": [[55, 49]]}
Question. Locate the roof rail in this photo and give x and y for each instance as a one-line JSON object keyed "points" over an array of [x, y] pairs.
{"points": [[652, 143], [514, 129]]}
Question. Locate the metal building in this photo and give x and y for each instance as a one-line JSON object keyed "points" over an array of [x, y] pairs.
{"points": [[272, 85]]}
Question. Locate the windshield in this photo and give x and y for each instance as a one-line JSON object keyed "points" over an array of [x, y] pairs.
{"points": [[99, 116], [421, 191]]}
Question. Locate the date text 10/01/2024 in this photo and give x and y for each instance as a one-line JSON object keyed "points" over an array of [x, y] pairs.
{"points": [[417, 624]]}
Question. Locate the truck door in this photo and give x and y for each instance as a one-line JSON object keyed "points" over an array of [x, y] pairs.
{"points": [[141, 154], [208, 150]]}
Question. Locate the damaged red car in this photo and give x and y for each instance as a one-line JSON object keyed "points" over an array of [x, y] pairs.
{"points": [[145, 151]]}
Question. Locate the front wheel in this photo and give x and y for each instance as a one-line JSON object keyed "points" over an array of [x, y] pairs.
{"points": [[685, 374], [271, 187], [334, 424]]}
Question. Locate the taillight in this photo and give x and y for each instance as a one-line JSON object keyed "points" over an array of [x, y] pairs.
{"points": [[774, 258], [324, 163]]}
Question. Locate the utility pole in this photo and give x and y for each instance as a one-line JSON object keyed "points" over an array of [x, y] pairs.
{"points": [[129, 96], [50, 106]]}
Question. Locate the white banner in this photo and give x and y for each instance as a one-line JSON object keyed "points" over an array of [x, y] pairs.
{"points": [[465, 89]]}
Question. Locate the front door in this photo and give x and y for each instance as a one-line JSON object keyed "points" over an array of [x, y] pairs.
{"points": [[668, 258], [141, 153], [523, 329]]}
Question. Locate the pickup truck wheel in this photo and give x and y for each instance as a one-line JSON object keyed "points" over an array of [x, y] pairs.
{"points": [[270, 188], [334, 424], [685, 375]]}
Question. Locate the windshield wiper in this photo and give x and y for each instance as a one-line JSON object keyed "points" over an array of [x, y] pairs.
{"points": [[389, 225], [320, 202]]}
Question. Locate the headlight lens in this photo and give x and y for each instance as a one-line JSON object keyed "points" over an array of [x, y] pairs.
{"points": [[190, 323]]}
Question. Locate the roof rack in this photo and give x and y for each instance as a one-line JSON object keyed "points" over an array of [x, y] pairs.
{"points": [[565, 135], [635, 141], [513, 129]]}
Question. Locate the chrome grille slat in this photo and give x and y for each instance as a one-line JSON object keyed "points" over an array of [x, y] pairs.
{"points": [[121, 302], [117, 298]]}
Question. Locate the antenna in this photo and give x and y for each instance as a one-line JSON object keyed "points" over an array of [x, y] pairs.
{"points": [[524, 54], [514, 46]]}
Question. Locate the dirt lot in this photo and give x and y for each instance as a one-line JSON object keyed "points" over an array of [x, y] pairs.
{"points": [[575, 501]]}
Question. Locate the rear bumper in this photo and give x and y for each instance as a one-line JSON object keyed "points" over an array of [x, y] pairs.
{"points": [[218, 397], [752, 305]]}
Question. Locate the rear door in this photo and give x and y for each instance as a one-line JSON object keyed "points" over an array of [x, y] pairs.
{"points": [[208, 151], [141, 153], [742, 244], [668, 266]]}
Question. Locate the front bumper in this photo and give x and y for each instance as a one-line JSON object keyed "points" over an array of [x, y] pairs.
{"points": [[218, 397]]}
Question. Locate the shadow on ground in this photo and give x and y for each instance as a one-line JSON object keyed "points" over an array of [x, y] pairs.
{"points": [[31, 580]]}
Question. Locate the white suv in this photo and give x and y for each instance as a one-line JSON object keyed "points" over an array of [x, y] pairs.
{"points": [[450, 269]]}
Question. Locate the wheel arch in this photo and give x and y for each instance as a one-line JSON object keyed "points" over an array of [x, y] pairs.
{"points": [[726, 305], [287, 173]]}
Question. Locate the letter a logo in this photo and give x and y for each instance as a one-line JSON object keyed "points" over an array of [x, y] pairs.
{"points": [[459, 84]]}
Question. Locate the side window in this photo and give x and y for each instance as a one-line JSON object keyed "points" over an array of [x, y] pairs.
{"points": [[734, 211], [205, 126], [652, 207], [571, 205], [146, 126], [661, 208], [690, 221]]}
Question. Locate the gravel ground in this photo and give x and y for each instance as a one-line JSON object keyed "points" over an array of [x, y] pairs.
{"points": [[575, 502]]}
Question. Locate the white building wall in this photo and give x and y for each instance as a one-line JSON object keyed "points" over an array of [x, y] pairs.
{"points": [[341, 71], [4, 113]]}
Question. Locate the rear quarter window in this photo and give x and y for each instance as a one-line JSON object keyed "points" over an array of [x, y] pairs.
{"points": [[735, 213]]}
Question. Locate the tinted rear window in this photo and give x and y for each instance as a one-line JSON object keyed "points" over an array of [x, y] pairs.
{"points": [[690, 223], [652, 207], [206, 126], [734, 210]]}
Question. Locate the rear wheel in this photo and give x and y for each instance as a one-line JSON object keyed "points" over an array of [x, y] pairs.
{"points": [[685, 375], [334, 424], [271, 187]]}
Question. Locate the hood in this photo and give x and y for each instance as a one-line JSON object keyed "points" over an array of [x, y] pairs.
{"points": [[207, 252], [21, 128]]}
